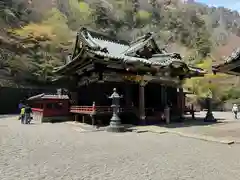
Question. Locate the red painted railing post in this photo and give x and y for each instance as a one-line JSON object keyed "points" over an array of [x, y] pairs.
{"points": [[93, 113], [93, 107]]}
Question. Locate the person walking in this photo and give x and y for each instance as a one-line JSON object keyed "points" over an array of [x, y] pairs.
{"points": [[235, 111]]}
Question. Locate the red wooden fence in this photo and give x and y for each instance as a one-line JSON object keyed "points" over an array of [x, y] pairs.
{"points": [[96, 109]]}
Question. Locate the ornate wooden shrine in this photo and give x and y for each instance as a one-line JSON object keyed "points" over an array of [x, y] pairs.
{"points": [[231, 65], [149, 78]]}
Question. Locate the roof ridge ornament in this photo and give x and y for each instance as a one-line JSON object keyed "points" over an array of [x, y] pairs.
{"points": [[90, 40], [235, 54], [138, 44], [148, 35], [102, 36], [172, 55]]}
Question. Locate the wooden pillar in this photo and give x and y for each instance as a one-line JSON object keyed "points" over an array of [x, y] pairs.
{"points": [[161, 101], [93, 114], [165, 105], [167, 114], [128, 96], [181, 101], [75, 117], [74, 98], [83, 119], [142, 115], [163, 96], [73, 89]]}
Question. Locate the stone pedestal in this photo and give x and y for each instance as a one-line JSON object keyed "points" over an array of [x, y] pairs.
{"points": [[209, 116], [115, 124]]}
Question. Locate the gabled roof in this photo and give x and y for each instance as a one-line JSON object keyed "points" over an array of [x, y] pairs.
{"points": [[109, 48], [48, 96], [231, 64], [141, 42], [122, 50], [126, 52]]}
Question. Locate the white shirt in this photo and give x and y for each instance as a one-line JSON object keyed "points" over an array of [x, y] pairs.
{"points": [[235, 108]]}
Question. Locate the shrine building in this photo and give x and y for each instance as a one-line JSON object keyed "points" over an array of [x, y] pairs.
{"points": [[148, 78]]}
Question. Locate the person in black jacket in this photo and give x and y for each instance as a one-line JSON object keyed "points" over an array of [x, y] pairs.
{"points": [[28, 112]]}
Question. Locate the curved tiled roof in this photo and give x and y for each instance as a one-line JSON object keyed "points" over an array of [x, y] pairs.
{"points": [[232, 59], [109, 48], [121, 51], [48, 96]]}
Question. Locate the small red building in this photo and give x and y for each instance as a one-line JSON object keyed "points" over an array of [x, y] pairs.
{"points": [[49, 108]]}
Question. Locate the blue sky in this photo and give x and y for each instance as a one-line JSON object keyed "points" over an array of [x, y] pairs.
{"points": [[231, 4]]}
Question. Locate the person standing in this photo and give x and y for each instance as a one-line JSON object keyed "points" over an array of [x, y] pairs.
{"points": [[27, 117], [22, 114], [235, 110], [20, 105]]}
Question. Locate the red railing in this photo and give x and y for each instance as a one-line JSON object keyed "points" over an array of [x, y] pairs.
{"points": [[37, 110], [37, 114], [82, 109], [96, 109]]}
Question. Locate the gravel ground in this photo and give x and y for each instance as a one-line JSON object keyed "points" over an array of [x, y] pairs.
{"points": [[56, 151]]}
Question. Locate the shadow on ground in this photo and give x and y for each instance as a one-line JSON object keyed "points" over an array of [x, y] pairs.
{"points": [[8, 116], [188, 122], [193, 122]]}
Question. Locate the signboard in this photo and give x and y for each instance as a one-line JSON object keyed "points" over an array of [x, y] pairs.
{"points": [[112, 77], [135, 78]]}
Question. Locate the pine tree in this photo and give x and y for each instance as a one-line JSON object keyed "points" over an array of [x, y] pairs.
{"points": [[135, 8], [155, 10]]}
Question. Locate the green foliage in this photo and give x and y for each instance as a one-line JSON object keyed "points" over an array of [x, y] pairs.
{"points": [[45, 37], [201, 86], [80, 14], [232, 93], [189, 29], [57, 21], [101, 15], [143, 16], [45, 42]]}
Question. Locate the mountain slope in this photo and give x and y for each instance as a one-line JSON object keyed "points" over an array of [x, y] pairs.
{"points": [[36, 35]]}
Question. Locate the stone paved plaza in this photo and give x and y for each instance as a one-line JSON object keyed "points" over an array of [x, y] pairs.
{"points": [[57, 151]]}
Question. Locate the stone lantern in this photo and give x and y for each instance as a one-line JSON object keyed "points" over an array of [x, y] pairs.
{"points": [[115, 121], [209, 116], [59, 92]]}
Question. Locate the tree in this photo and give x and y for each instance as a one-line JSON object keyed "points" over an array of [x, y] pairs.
{"points": [[80, 14], [101, 15], [45, 42], [155, 11], [200, 86]]}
